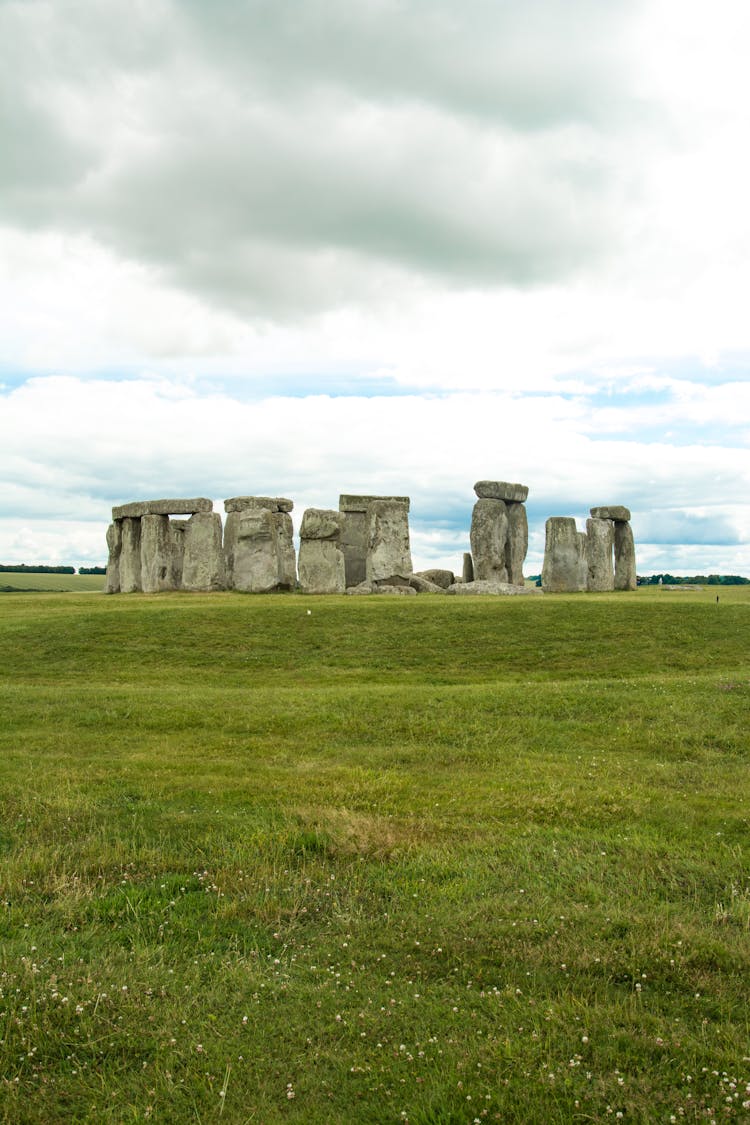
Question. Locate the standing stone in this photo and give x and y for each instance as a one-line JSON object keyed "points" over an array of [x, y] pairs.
{"points": [[517, 542], [599, 542], [156, 554], [625, 568], [468, 567], [177, 529], [389, 550], [130, 555], [239, 508], [489, 532], [114, 544], [286, 558], [256, 564], [203, 559], [565, 568], [322, 569], [355, 534]]}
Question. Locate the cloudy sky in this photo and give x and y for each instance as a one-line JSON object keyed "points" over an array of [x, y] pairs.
{"points": [[304, 247]]}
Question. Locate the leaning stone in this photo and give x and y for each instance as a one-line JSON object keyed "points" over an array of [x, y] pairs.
{"points": [[501, 490], [423, 585], [162, 508], [389, 550], [468, 567], [504, 589], [599, 541], [271, 503], [321, 523], [625, 571], [516, 543], [130, 556], [321, 567], [610, 512], [489, 530], [203, 558], [394, 590], [114, 545], [444, 578], [156, 555], [565, 569]]}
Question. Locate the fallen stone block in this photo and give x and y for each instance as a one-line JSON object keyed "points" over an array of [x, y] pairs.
{"points": [[438, 577]]}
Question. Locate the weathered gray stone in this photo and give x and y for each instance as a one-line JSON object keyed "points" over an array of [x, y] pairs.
{"points": [[177, 530], [285, 553], [114, 545], [361, 588], [130, 555], [355, 533], [489, 531], [565, 569], [625, 567], [353, 503], [610, 512], [321, 523], [203, 558], [264, 559], [157, 571], [423, 585], [389, 551], [271, 503], [256, 563], [516, 543], [385, 589], [438, 577], [504, 589], [231, 528], [600, 535], [321, 567], [162, 508], [393, 580], [501, 490], [468, 567]]}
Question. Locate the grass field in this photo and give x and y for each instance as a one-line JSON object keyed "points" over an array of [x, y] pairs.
{"points": [[19, 580], [427, 860]]}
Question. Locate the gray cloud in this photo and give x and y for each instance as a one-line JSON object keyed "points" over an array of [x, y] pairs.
{"points": [[274, 158]]}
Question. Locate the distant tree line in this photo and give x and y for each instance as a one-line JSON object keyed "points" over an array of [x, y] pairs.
{"points": [[696, 580], [40, 568]]}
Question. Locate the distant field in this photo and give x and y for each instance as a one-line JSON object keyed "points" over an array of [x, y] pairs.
{"points": [[51, 583], [430, 860]]}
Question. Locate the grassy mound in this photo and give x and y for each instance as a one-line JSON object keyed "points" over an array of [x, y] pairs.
{"points": [[338, 859]]}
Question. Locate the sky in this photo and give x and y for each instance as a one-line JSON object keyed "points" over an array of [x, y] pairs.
{"points": [[296, 248]]}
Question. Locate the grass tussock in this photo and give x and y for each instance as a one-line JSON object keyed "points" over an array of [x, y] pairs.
{"points": [[434, 861]]}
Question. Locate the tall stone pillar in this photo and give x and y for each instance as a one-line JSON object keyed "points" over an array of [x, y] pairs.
{"points": [[499, 531], [624, 545], [114, 545], [259, 549], [130, 555], [203, 559], [322, 569], [565, 568], [157, 571], [375, 542], [599, 540]]}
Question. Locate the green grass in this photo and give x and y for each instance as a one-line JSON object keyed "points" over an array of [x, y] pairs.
{"points": [[15, 581], [431, 860]]}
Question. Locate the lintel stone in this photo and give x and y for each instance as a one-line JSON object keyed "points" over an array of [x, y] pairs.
{"points": [[610, 512], [501, 490], [141, 508], [351, 503], [270, 503]]}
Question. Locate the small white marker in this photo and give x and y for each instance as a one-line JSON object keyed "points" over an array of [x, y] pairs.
{"points": [[309, 612]]}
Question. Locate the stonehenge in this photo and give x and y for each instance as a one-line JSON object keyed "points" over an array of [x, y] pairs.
{"points": [[364, 547], [598, 560]]}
